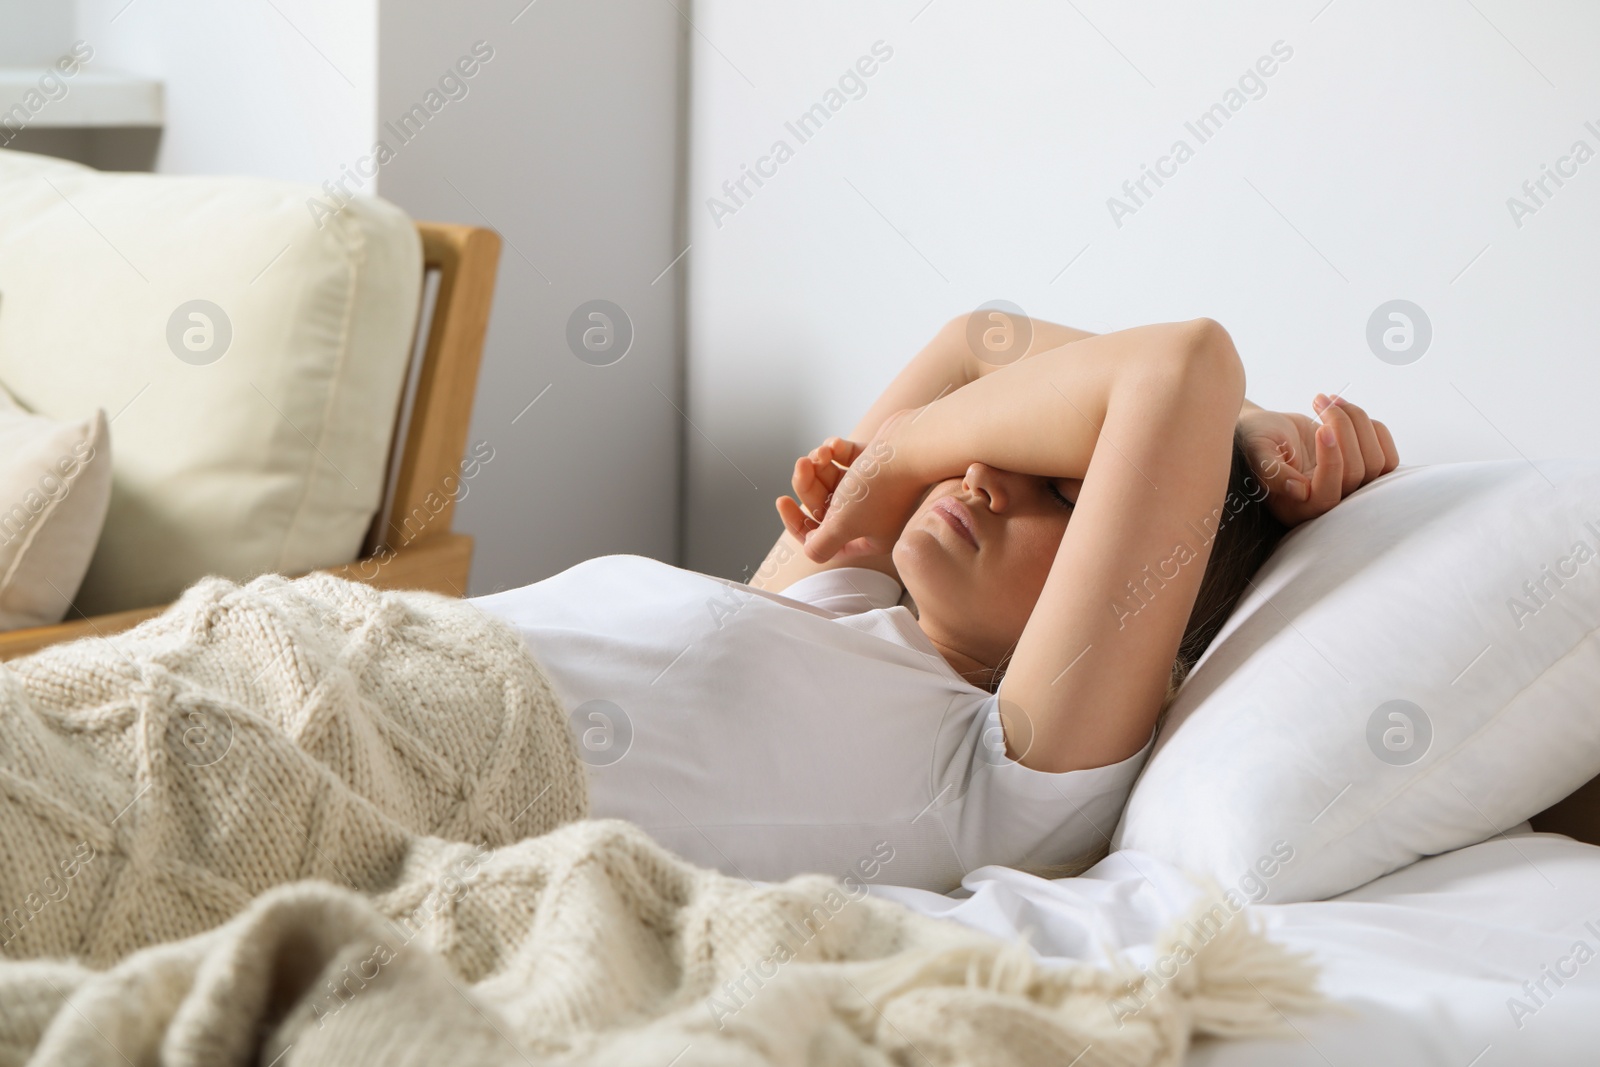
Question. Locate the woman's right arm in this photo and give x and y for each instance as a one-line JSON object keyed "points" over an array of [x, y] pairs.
{"points": [[952, 360], [1042, 417], [1144, 417], [947, 363]]}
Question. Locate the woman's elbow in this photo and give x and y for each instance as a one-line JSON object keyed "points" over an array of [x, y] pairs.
{"points": [[1207, 363]]}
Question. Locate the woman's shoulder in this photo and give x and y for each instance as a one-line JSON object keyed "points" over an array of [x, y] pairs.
{"points": [[601, 575], [846, 590]]}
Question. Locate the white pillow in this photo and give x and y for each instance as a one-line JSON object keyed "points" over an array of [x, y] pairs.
{"points": [[55, 483], [251, 361], [1469, 591]]}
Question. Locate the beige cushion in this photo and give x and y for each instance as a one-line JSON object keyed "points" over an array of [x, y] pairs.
{"points": [[55, 482], [269, 458]]}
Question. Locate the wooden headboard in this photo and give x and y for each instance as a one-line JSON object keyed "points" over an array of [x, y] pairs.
{"points": [[424, 456], [1577, 816]]}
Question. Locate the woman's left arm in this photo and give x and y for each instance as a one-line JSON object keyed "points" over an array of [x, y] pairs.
{"points": [[967, 348]]}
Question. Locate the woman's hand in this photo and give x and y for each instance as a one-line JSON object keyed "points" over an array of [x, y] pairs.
{"points": [[854, 499], [816, 476], [1307, 468]]}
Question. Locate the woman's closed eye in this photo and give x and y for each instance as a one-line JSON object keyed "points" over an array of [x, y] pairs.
{"points": [[1060, 497]]}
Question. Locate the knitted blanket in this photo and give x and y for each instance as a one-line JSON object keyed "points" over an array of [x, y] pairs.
{"points": [[312, 823]]}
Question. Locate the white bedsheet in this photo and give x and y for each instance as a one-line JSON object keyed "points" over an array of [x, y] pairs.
{"points": [[1430, 959]]}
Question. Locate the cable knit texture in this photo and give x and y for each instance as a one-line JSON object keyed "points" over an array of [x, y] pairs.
{"points": [[308, 822]]}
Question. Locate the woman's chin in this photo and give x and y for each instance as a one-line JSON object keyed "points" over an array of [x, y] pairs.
{"points": [[928, 564]]}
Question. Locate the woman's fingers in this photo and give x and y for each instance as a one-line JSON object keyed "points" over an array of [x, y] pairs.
{"points": [[817, 474], [825, 540], [823, 532], [1309, 468], [838, 527], [1353, 466], [822, 461], [1391, 455], [1327, 480], [797, 522], [1272, 461], [1372, 454], [844, 452], [815, 479], [808, 487], [1284, 476]]}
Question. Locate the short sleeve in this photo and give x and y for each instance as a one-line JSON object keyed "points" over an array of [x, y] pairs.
{"points": [[1014, 815], [846, 590]]}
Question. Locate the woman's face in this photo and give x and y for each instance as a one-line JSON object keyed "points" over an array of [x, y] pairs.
{"points": [[975, 556]]}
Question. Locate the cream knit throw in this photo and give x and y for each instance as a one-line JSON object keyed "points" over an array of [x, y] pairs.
{"points": [[297, 823]]}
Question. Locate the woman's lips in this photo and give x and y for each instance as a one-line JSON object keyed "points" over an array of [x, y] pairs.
{"points": [[956, 514]]}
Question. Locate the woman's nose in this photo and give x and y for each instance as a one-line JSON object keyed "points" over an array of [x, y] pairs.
{"points": [[983, 480]]}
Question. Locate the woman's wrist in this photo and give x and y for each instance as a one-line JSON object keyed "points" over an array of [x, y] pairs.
{"points": [[907, 450]]}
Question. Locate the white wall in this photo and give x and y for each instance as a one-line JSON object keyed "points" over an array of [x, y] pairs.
{"points": [[32, 31], [979, 163], [567, 142], [281, 90]]}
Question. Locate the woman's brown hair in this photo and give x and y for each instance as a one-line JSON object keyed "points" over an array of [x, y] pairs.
{"points": [[1246, 535]]}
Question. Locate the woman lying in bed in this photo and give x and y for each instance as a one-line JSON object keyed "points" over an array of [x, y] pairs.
{"points": [[957, 652]]}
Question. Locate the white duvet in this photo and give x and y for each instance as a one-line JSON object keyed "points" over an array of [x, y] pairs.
{"points": [[1489, 955]]}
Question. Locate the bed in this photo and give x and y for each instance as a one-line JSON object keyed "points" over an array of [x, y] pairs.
{"points": [[1402, 711], [1460, 944], [1447, 940], [1426, 965]]}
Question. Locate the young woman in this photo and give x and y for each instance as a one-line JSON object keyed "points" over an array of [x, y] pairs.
{"points": [[957, 652]]}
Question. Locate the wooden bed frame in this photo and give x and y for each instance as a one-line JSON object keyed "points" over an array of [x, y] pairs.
{"points": [[429, 442], [1577, 816]]}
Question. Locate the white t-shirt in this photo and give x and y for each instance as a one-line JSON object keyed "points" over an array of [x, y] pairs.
{"points": [[819, 730]]}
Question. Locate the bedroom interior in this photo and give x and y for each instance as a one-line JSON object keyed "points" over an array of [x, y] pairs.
{"points": [[325, 330]]}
